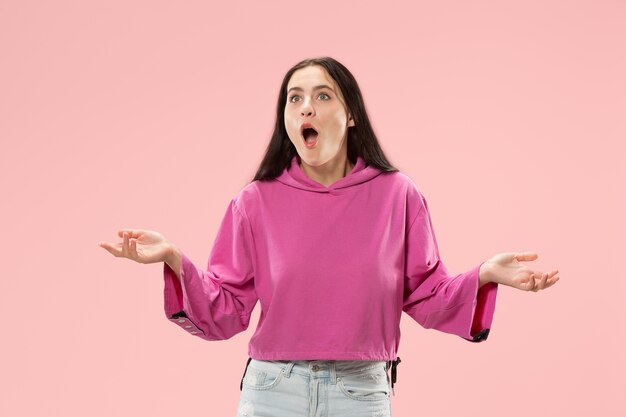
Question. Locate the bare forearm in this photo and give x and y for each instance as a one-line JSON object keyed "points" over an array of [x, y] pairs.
{"points": [[174, 260]]}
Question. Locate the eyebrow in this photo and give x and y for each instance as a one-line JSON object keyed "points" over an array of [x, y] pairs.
{"points": [[317, 87]]}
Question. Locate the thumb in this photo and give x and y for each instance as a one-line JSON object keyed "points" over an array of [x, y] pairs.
{"points": [[526, 256], [109, 248]]}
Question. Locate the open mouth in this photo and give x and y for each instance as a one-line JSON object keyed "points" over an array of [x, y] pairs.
{"points": [[309, 134]]}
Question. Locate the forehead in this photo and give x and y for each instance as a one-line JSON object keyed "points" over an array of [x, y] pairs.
{"points": [[310, 76]]}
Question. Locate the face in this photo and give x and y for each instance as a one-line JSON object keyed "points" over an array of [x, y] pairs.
{"points": [[322, 107]]}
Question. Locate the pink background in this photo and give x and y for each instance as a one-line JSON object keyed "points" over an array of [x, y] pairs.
{"points": [[509, 116]]}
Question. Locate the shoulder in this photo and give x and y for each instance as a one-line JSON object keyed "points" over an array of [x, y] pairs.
{"points": [[413, 199], [246, 198], [402, 182]]}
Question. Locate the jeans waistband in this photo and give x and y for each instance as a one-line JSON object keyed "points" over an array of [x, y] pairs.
{"points": [[324, 368]]}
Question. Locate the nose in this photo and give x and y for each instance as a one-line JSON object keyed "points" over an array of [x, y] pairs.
{"points": [[307, 109]]}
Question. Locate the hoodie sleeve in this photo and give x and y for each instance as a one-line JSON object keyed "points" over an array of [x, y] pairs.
{"points": [[215, 304], [436, 299]]}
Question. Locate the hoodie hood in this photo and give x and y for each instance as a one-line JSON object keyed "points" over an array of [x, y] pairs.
{"points": [[293, 176]]}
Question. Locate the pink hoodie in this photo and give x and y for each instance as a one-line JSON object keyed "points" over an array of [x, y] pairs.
{"points": [[333, 268]]}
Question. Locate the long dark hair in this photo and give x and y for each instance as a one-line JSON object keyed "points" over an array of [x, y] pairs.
{"points": [[361, 138]]}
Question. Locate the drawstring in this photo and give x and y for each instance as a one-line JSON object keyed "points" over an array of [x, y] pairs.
{"points": [[394, 372], [244, 374]]}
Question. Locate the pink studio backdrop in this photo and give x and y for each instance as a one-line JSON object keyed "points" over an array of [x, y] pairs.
{"points": [[153, 114]]}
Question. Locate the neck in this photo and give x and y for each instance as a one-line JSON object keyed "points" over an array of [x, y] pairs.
{"points": [[329, 173]]}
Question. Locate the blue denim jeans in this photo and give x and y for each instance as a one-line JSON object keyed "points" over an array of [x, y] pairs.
{"points": [[315, 388]]}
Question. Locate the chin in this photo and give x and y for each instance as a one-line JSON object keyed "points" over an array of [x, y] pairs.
{"points": [[317, 157], [310, 161]]}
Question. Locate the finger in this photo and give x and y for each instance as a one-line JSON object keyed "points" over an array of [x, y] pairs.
{"points": [[542, 282], [111, 249], [133, 248], [130, 232], [125, 247], [526, 256], [553, 278], [535, 283], [530, 284]]}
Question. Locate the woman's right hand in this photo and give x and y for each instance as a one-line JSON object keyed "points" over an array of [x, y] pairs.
{"points": [[143, 246]]}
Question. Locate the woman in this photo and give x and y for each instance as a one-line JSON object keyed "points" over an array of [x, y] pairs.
{"points": [[335, 243]]}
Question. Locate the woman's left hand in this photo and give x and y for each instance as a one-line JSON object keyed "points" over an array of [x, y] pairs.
{"points": [[506, 269]]}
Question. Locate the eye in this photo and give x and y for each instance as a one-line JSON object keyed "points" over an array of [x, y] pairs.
{"points": [[292, 97], [324, 94]]}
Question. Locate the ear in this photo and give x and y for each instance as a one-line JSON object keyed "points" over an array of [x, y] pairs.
{"points": [[350, 121]]}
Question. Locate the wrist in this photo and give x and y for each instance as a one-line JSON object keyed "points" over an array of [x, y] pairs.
{"points": [[174, 260], [485, 274], [173, 256]]}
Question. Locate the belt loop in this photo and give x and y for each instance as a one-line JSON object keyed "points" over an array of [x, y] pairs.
{"points": [[244, 374], [287, 369], [333, 372]]}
